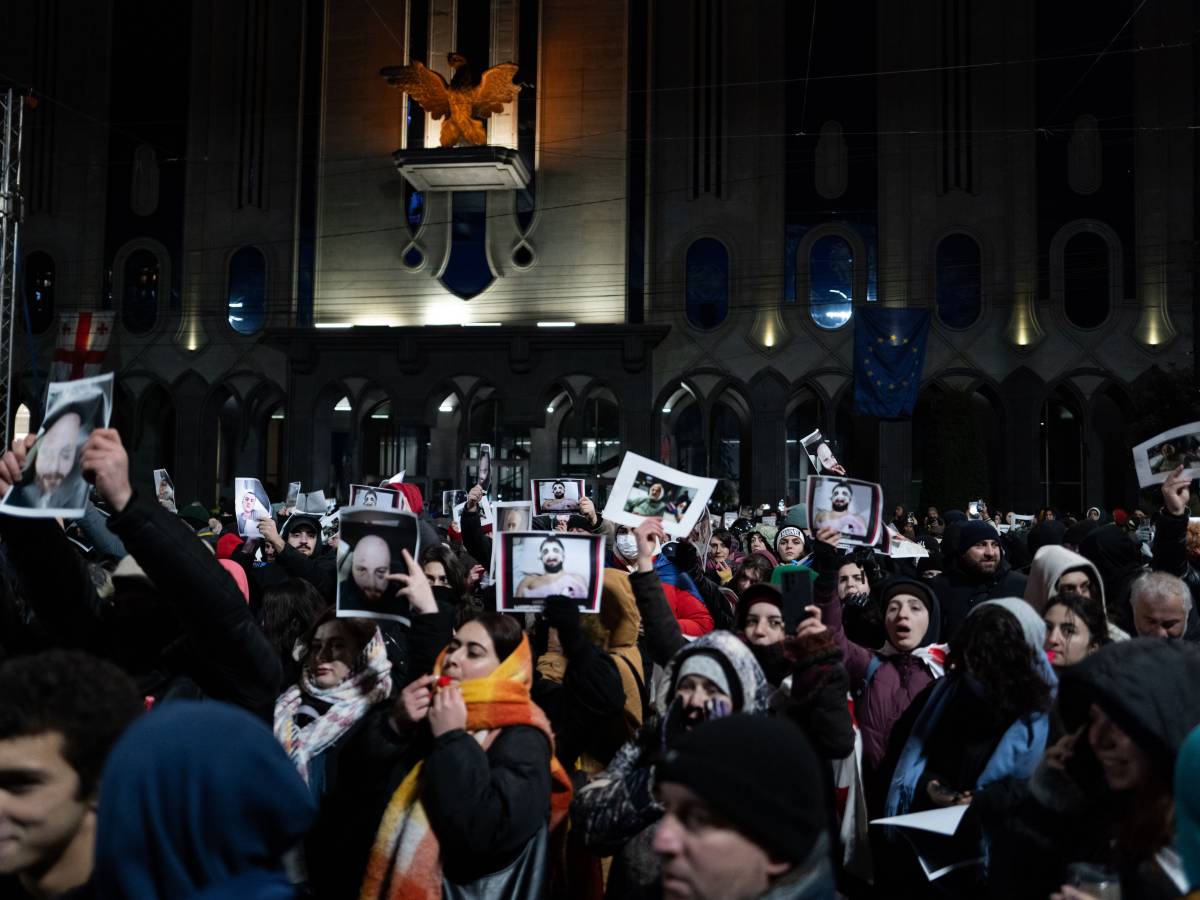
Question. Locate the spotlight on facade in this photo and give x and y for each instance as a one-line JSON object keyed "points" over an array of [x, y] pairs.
{"points": [[555, 324], [334, 325]]}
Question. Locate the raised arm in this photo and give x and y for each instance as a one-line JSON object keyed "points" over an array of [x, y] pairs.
{"points": [[857, 659], [234, 660]]}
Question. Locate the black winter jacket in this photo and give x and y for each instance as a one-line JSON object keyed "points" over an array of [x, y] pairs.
{"points": [[210, 640], [959, 591]]}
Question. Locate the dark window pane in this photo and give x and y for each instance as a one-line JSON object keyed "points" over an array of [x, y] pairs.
{"points": [[247, 298], [707, 283], [39, 291], [959, 281], [831, 281], [1086, 279], [139, 303]]}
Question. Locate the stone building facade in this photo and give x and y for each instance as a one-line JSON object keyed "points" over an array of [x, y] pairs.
{"points": [[715, 188]]}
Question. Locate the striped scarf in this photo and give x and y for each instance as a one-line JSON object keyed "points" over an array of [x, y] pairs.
{"points": [[405, 862], [370, 683]]}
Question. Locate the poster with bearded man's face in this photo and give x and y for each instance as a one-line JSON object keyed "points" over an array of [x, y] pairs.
{"points": [[52, 482], [852, 507]]}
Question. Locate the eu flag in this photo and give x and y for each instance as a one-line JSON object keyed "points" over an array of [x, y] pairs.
{"points": [[889, 355]]}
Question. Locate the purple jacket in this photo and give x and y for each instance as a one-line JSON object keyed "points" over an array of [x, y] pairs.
{"points": [[897, 680]]}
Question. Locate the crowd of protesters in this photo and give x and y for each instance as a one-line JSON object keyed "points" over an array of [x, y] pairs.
{"points": [[184, 715]]}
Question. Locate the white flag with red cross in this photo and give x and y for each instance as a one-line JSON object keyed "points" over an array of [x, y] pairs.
{"points": [[82, 345]]}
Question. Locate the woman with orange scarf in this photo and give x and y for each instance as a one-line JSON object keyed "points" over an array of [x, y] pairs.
{"points": [[472, 819]]}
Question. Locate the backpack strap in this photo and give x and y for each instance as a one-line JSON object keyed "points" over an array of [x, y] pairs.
{"points": [[872, 668]]}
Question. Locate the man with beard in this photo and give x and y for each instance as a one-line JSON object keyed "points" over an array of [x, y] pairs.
{"points": [[839, 516], [979, 572], [554, 581], [652, 504], [370, 564], [297, 552], [560, 500], [54, 459]]}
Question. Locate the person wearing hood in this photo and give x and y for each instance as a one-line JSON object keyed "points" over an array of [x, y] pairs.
{"points": [[221, 838], [624, 549], [1118, 559], [801, 660], [616, 812], [1103, 792], [1047, 532], [1074, 535], [1187, 811], [1057, 573], [987, 721], [980, 572], [884, 682], [761, 539]]}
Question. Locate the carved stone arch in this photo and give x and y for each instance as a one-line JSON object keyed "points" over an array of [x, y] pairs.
{"points": [[435, 399]]}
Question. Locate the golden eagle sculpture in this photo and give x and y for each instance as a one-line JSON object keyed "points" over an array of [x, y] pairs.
{"points": [[461, 103]]}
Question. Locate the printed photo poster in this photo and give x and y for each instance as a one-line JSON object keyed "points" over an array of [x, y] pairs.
{"points": [[368, 497], [52, 483], [534, 565], [251, 504], [164, 490], [514, 516], [483, 474], [292, 500], [552, 496], [1158, 457], [820, 454], [854, 508], [646, 489], [451, 499], [486, 516], [369, 549]]}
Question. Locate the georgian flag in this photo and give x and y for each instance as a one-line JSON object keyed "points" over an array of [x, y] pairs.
{"points": [[82, 345]]}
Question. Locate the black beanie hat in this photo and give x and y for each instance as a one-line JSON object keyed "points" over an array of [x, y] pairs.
{"points": [[975, 531], [758, 773]]}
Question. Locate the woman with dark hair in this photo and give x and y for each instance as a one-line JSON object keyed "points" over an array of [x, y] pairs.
{"points": [[1075, 628], [1103, 794], [288, 610], [345, 672], [754, 569], [985, 722], [477, 809]]}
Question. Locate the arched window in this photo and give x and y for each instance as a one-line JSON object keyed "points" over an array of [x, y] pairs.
{"points": [[139, 300], [831, 281], [39, 291], [246, 301], [959, 285], [388, 447], [707, 283], [589, 442], [1062, 452], [1086, 279]]}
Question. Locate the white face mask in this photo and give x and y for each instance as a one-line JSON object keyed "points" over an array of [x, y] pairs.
{"points": [[626, 546]]}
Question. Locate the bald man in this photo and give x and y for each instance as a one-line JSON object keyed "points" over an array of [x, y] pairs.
{"points": [[370, 566]]}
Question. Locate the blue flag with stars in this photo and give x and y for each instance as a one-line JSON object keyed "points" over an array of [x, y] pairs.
{"points": [[889, 356]]}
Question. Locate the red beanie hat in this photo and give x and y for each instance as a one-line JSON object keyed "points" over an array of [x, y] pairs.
{"points": [[412, 494], [1120, 516], [227, 545]]}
